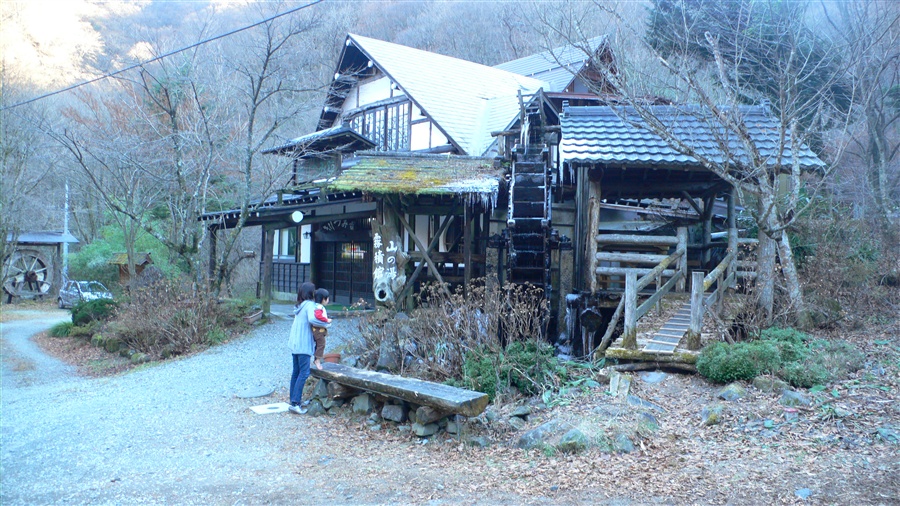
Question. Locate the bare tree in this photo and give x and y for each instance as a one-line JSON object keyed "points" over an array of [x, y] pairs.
{"points": [[269, 77], [720, 56], [871, 31]]}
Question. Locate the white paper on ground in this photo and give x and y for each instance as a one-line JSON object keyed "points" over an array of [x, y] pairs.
{"points": [[278, 407]]}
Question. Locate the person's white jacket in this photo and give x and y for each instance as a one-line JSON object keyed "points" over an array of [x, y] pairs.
{"points": [[301, 340]]}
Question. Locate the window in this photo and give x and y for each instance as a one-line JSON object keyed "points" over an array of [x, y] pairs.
{"points": [[387, 126]]}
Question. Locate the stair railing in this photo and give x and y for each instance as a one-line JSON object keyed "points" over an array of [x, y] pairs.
{"points": [[724, 276]]}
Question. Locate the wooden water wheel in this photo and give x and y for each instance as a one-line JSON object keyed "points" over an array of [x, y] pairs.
{"points": [[27, 274]]}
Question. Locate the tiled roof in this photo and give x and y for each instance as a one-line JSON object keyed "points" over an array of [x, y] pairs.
{"points": [[339, 137], [467, 100], [558, 67], [618, 136], [392, 173]]}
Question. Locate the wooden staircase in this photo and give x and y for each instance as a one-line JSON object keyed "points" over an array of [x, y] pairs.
{"points": [[666, 339]]}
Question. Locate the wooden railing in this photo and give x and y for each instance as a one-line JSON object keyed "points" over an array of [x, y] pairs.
{"points": [[673, 266]]}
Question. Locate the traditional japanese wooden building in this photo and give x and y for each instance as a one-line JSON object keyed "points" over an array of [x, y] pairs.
{"points": [[434, 168]]}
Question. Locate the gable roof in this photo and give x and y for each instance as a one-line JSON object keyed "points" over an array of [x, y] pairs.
{"points": [[617, 136], [558, 66], [466, 100]]}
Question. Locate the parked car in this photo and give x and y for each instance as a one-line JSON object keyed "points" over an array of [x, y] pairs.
{"points": [[74, 292]]}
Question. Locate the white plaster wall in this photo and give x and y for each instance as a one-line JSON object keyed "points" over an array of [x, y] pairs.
{"points": [[373, 91]]}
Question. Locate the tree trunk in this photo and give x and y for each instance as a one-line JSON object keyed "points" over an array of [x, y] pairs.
{"points": [[765, 275]]}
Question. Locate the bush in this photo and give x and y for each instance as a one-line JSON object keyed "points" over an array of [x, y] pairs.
{"points": [[172, 316], [723, 363], [61, 329], [528, 366], [99, 310], [788, 353]]}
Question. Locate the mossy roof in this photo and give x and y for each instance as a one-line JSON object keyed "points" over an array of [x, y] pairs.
{"points": [[384, 173]]}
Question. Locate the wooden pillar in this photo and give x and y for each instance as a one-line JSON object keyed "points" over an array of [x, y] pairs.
{"points": [[707, 228], [629, 335], [269, 232], [581, 210], [213, 242], [697, 310], [682, 235], [468, 234]]}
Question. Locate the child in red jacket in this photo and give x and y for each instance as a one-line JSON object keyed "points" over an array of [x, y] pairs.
{"points": [[319, 333]]}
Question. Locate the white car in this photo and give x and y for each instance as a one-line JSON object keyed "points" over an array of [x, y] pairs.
{"points": [[74, 292]]}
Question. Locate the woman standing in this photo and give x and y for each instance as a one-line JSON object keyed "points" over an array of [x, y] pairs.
{"points": [[302, 344]]}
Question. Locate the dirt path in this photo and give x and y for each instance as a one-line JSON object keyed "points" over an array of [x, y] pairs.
{"points": [[23, 361], [176, 433]]}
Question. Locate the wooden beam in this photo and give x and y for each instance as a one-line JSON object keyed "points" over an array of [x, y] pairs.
{"points": [[652, 240], [412, 233], [434, 242], [424, 393], [267, 269], [468, 233]]}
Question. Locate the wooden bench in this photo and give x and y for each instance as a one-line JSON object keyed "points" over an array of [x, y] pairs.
{"points": [[442, 398]]}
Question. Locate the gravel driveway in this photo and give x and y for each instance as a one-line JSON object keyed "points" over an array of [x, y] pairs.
{"points": [[171, 433]]}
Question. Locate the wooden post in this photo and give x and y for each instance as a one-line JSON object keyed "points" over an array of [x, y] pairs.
{"points": [[697, 310], [269, 232], [629, 336], [707, 229], [732, 237], [468, 231], [682, 235], [591, 245], [213, 240]]}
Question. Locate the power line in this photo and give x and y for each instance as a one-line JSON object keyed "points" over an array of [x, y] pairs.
{"points": [[160, 57]]}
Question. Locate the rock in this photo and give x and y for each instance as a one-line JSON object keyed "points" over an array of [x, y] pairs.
{"points": [[610, 410], [573, 441], [112, 344], [394, 412], [388, 356], [652, 376], [712, 415], [321, 389], [840, 412], [427, 414], [732, 392], [791, 415], [139, 358], [592, 384], [404, 428], [425, 430], [792, 399], [453, 427], [490, 415], [637, 401], [769, 384], [648, 422], [622, 443], [542, 434], [516, 423], [478, 441], [619, 384], [315, 408], [350, 360], [363, 404], [521, 412], [337, 391], [375, 427]]}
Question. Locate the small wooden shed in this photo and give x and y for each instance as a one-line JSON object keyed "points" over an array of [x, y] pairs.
{"points": [[141, 261]]}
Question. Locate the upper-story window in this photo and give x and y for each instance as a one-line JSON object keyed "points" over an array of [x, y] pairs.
{"points": [[386, 125]]}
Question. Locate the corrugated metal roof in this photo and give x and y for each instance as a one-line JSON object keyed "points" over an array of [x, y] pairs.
{"points": [[393, 173], [558, 66], [618, 136], [43, 237], [467, 100]]}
